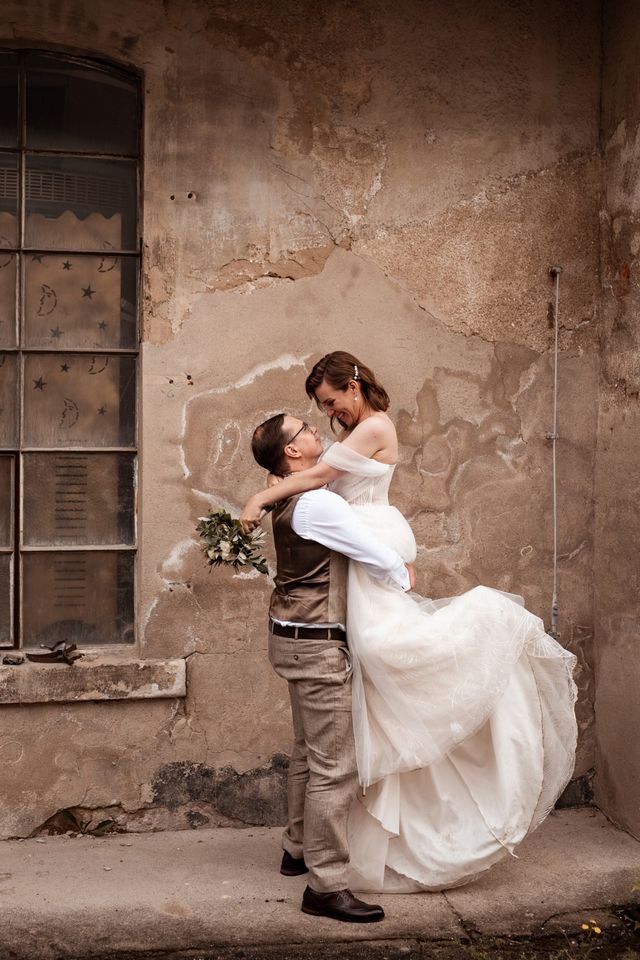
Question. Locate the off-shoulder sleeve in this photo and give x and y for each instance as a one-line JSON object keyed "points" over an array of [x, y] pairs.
{"points": [[344, 458]]}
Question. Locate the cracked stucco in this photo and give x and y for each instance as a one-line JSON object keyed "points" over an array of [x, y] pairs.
{"points": [[392, 185]]}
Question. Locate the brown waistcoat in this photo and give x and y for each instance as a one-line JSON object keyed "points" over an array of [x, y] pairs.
{"points": [[310, 585]]}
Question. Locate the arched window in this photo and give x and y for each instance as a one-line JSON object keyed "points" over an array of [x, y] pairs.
{"points": [[69, 265]]}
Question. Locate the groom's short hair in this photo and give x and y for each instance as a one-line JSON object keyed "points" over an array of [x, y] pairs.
{"points": [[267, 445]]}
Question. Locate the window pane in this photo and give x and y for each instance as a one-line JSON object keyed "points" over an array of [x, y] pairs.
{"points": [[73, 107], [74, 203], [78, 498], [6, 599], [8, 400], [8, 100], [83, 598], [75, 400], [8, 199], [6, 502], [7, 299], [80, 301]]}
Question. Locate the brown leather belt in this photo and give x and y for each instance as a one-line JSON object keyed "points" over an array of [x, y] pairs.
{"points": [[308, 633]]}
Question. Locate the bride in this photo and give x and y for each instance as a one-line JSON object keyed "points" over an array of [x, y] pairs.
{"points": [[463, 708]]}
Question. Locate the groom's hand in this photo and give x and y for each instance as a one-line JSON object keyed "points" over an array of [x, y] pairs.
{"points": [[250, 516], [412, 575]]}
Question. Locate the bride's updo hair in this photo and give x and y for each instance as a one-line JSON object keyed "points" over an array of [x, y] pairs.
{"points": [[338, 369]]}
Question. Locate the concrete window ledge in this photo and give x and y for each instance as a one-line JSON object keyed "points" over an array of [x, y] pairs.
{"points": [[94, 677]]}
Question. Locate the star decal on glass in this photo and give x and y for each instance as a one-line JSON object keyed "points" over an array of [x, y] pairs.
{"points": [[37, 257], [39, 384], [102, 325], [87, 292], [55, 332], [64, 367], [102, 411], [66, 265]]}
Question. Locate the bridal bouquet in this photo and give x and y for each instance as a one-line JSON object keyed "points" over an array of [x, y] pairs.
{"points": [[223, 541]]}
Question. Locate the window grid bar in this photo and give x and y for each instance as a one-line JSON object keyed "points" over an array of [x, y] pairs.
{"points": [[81, 548], [77, 449], [52, 152], [17, 557], [16, 300], [10, 551], [65, 251], [76, 351]]}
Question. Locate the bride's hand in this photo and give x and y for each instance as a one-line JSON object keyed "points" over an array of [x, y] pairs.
{"points": [[272, 480], [412, 575], [251, 513]]}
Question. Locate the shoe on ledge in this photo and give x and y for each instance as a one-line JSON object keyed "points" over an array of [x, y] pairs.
{"points": [[340, 905], [292, 866]]}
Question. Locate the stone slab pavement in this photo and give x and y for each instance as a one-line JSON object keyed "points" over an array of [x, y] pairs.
{"points": [[218, 893]]}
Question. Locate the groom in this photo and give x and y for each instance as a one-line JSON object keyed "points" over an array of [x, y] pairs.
{"points": [[314, 533]]}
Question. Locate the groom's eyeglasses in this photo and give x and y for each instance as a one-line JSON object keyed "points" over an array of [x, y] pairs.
{"points": [[305, 426]]}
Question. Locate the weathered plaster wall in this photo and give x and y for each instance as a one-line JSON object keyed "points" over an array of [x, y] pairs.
{"points": [[395, 184], [616, 568]]}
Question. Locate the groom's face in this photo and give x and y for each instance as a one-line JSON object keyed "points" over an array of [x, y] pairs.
{"points": [[303, 437]]}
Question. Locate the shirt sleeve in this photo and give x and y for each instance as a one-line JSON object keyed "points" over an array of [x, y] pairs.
{"points": [[328, 519]]}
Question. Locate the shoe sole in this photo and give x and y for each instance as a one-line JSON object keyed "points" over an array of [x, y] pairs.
{"points": [[294, 873], [339, 916]]}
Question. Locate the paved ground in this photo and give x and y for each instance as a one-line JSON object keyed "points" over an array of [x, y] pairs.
{"points": [[218, 893]]}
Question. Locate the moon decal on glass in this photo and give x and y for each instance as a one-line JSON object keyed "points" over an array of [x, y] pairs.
{"points": [[70, 414], [98, 364], [107, 264], [48, 301], [6, 258]]}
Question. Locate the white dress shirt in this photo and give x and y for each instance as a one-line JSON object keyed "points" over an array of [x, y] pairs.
{"points": [[325, 517]]}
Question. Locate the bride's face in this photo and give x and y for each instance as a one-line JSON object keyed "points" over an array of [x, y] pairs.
{"points": [[344, 405]]}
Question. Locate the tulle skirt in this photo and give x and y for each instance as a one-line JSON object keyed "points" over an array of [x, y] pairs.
{"points": [[464, 725]]}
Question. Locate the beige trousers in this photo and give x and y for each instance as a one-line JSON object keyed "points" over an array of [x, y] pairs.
{"points": [[322, 769]]}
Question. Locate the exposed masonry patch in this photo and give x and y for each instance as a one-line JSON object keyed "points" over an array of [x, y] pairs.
{"points": [[578, 793], [257, 797], [186, 795]]}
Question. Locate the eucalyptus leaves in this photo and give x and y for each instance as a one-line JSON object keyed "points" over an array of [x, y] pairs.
{"points": [[224, 542]]}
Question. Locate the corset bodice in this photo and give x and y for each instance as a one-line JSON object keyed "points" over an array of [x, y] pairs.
{"points": [[361, 490]]}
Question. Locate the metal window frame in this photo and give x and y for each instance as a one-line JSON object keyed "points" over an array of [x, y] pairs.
{"points": [[20, 251]]}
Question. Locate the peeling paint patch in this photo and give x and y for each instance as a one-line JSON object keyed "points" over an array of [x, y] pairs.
{"points": [[172, 566], [284, 362], [293, 266]]}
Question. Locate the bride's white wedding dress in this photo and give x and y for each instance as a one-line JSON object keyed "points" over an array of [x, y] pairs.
{"points": [[463, 714]]}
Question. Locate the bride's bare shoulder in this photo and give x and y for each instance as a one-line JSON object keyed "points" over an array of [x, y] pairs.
{"points": [[372, 436]]}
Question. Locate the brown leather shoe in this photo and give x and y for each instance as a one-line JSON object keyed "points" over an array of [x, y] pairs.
{"points": [[292, 866], [340, 905]]}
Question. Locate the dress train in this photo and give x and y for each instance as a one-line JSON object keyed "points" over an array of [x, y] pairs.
{"points": [[463, 715]]}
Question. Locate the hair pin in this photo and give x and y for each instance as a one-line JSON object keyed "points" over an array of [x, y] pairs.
{"points": [[356, 375]]}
